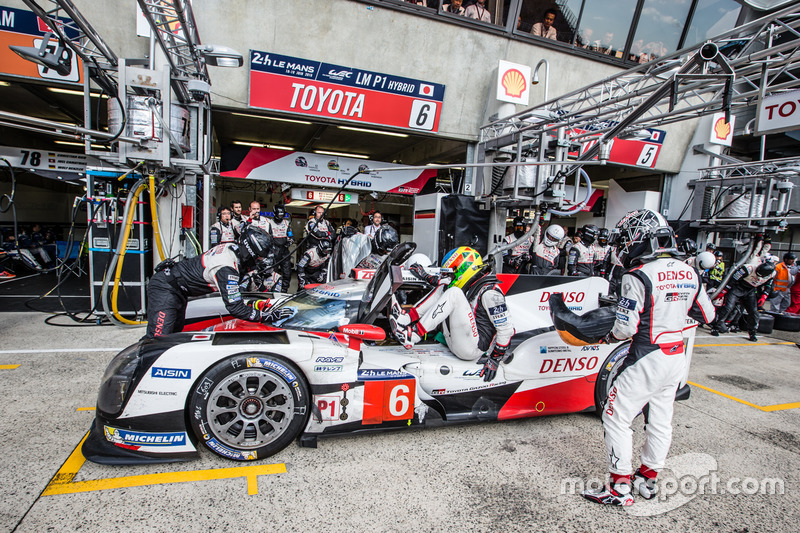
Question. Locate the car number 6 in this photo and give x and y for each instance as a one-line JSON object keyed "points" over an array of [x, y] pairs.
{"points": [[399, 400]]}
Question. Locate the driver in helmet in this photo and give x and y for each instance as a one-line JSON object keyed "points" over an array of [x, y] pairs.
{"points": [[515, 259], [601, 251], [469, 304], [546, 254], [580, 260], [652, 311], [219, 269], [689, 248], [742, 287], [383, 242], [312, 266], [282, 238]]}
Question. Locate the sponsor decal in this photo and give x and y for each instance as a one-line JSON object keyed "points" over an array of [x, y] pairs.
{"points": [[257, 362], [136, 438], [382, 374], [229, 453], [329, 359], [330, 294], [622, 317], [171, 373], [627, 303], [568, 364], [328, 368], [685, 286], [498, 310], [676, 297], [436, 392], [672, 275], [592, 348], [569, 297]]}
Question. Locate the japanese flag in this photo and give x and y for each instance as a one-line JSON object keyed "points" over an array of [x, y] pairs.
{"points": [[425, 89]]}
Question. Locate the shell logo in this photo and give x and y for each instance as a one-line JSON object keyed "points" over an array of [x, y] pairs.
{"points": [[722, 129], [514, 83]]}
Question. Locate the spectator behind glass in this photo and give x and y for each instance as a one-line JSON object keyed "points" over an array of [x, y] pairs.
{"points": [[454, 7], [545, 28], [478, 11]]}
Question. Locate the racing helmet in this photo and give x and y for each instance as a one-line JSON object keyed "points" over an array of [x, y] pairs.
{"points": [[253, 244], [589, 234], [643, 235], [765, 269], [706, 260], [349, 231], [325, 246], [518, 227], [385, 239], [688, 246], [711, 247], [553, 235], [418, 258], [789, 256], [603, 236], [465, 262], [278, 212], [719, 254]]}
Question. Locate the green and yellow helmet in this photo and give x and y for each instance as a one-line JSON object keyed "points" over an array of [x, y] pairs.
{"points": [[465, 263]]}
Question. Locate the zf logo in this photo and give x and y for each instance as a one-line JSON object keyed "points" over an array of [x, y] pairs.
{"points": [[171, 373]]}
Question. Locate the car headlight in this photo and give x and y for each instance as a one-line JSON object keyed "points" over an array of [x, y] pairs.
{"points": [[117, 380]]}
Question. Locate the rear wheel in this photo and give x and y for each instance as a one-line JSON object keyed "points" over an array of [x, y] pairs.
{"points": [[249, 406], [608, 372]]}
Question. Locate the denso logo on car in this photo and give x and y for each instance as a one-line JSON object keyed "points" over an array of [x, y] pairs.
{"points": [[171, 373], [569, 297]]}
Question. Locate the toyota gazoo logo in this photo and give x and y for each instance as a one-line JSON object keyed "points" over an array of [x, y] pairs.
{"points": [[569, 297]]}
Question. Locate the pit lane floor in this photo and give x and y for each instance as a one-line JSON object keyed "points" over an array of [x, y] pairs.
{"points": [[522, 475]]}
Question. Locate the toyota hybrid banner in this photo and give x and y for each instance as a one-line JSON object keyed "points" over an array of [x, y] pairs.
{"points": [[296, 85], [301, 168]]}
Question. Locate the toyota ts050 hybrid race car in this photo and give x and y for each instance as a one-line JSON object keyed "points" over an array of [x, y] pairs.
{"points": [[245, 390]]}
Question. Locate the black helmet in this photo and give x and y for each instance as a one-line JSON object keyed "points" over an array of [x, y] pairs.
{"points": [[385, 239], [718, 253], [325, 246], [603, 236], [765, 269], [688, 246], [789, 256], [589, 233], [254, 243], [711, 246], [278, 212], [349, 231], [519, 227]]}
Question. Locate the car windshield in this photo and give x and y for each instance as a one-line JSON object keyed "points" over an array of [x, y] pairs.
{"points": [[308, 310]]}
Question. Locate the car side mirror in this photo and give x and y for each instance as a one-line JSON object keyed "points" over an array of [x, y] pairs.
{"points": [[362, 332]]}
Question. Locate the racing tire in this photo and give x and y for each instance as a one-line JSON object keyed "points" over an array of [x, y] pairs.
{"points": [[766, 323], [608, 372], [786, 322], [249, 406]]}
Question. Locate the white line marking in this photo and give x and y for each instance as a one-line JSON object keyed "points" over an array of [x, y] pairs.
{"points": [[64, 350]]}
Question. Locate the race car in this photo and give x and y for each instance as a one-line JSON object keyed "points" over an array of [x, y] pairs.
{"points": [[326, 366]]}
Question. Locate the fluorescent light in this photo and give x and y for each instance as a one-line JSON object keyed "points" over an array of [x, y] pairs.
{"points": [[393, 134], [341, 154], [74, 91], [73, 143], [263, 145], [4, 84], [272, 118]]}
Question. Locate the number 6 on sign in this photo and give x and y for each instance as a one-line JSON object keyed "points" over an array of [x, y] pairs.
{"points": [[388, 400], [423, 115]]}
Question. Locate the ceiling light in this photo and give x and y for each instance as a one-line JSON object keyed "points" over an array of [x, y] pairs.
{"points": [[75, 92], [58, 61], [220, 56], [341, 154], [263, 145], [393, 134], [273, 118]]}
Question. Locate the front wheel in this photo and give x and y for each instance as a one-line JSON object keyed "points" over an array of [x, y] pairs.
{"points": [[249, 406], [607, 375]]}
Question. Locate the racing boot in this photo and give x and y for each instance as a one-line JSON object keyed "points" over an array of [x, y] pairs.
{"points": [[407, 335], [611, 494], [644, 482], [753, 337]]}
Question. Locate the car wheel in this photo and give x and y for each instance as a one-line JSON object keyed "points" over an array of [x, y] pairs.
{"points": [[249, 406], [608, 372], [787, 322]]}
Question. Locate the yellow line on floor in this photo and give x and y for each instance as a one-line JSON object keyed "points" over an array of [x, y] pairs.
{"points": [[765, 408], [62, 482], [87, 409], [8, 367], [748, 344]]}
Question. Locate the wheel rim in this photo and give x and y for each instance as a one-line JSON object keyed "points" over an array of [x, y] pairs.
{"points": [[250, 409]]}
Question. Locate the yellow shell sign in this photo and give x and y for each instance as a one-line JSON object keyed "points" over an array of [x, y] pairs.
{"points": [[514, 83]]}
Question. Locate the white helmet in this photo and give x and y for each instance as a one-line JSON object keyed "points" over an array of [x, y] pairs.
{"points": [[706, 260], [553, 235], [420, 258]]}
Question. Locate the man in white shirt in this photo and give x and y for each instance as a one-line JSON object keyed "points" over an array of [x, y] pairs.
{"points": [[478, 11], [545, 28], [370, 230]]}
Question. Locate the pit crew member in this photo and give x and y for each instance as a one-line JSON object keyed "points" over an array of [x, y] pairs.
{"points": [[312, 265], [282, 238], [223, 231], [517, 257], [580, 259], [545, 256]]}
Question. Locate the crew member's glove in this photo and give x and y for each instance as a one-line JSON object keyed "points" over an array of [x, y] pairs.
{"points": [[489, 370], [420, 273], [274, 315], [301, 282]]}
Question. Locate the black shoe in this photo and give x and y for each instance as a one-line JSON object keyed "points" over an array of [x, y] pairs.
{"points": [[753, 337], [714, 332]]}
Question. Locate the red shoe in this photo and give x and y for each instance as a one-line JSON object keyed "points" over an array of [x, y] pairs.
{"points": [[7, 275]]}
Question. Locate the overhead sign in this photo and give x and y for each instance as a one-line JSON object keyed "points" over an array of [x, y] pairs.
{"points": [[778, 112], [513, 83], [721, 131], [19, 27], [303, 168], [28, 159], [284, 83], [311, 195], [633, 152]]}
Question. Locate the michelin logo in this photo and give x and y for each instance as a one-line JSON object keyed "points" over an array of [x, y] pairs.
{"points": [[135, 438]]}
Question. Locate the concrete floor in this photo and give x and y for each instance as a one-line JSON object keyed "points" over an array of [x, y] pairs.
{"points": [[509, 476]]}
